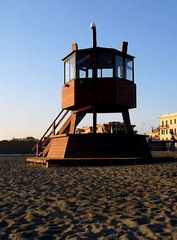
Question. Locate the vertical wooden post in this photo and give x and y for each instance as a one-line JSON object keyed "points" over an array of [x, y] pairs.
{"points": [[126, 119], [37, 150], [94, 119], [93, 26], [73, 123]]}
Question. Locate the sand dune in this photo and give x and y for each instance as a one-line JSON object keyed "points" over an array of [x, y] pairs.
{"points": [[118, 202]]}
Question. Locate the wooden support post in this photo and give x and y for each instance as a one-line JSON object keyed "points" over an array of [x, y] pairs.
{"points": [[126, 119], [73, 123], [37, 150], [94, 119]]}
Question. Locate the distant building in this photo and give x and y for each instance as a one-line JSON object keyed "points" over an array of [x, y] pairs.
{"points": [[154, 134], [168, 126], [110, 127]]}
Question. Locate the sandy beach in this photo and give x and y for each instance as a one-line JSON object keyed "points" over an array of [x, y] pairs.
{"points": [[113, 202]]}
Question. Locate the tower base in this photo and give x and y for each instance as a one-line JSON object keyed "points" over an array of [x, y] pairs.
{"points": [[98, 146], [95, 149]]}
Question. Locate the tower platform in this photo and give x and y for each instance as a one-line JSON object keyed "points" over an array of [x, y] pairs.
{"points": [[88, 148]]}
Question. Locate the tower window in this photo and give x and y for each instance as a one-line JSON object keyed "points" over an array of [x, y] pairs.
{"points": [[105, 65], [129, 69], [70, 69], [119, 69], [84, 65]]}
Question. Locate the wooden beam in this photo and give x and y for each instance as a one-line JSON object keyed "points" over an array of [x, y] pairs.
{"points": [[126, 119], [82, 109], [46, 149], [75, 120], [73, 123], [65, 126]]}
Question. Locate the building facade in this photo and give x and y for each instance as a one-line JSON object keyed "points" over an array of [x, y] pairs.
{"points": [[154, 134], [168, 126]]}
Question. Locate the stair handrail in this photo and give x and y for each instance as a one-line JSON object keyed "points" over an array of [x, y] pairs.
{"points": [[52, 124]]}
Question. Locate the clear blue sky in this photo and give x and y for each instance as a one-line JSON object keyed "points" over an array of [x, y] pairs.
{"points": [[36, 34]]}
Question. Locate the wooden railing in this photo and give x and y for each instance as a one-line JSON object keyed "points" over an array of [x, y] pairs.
{"points": [[43, 142]]}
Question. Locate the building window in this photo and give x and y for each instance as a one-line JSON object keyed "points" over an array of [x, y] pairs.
{"points": [[166, 131], [175, 131], [162, 123], [166, 123], [175, 121], [170, 121], [171, 131]]}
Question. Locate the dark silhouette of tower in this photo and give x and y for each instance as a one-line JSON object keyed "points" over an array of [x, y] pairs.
{"points": [[96, 80]]}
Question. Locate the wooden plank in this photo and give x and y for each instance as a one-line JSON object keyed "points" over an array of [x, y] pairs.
{"points": [[45, 151], [68, 94], [58, 147]]}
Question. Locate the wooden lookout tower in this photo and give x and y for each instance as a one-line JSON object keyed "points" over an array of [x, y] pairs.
{"points": [[96, 80]]}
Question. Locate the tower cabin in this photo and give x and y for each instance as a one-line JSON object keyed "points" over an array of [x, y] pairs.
{"points": [[96, 80], [99, 79]]}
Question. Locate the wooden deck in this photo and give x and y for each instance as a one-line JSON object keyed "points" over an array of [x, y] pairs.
{"points": [[48, 162], [157, 157]]}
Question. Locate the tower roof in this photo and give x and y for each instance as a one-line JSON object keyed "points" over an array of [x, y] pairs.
{"points": [[100, 50]]}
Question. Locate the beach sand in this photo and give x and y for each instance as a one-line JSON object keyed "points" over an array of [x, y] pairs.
{"points": [[113, 202]]}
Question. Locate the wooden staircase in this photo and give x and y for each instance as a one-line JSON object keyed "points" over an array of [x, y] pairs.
{"points": [[43, 145], [59, 127]]}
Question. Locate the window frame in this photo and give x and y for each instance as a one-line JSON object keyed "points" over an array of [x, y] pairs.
{"points": [[68, 71], [89, 74], [100, 67]]}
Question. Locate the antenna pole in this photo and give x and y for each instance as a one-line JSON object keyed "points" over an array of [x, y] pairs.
{"points": [[93, 27]]}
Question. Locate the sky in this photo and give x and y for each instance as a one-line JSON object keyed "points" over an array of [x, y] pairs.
{"points": [[36, 34]]}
